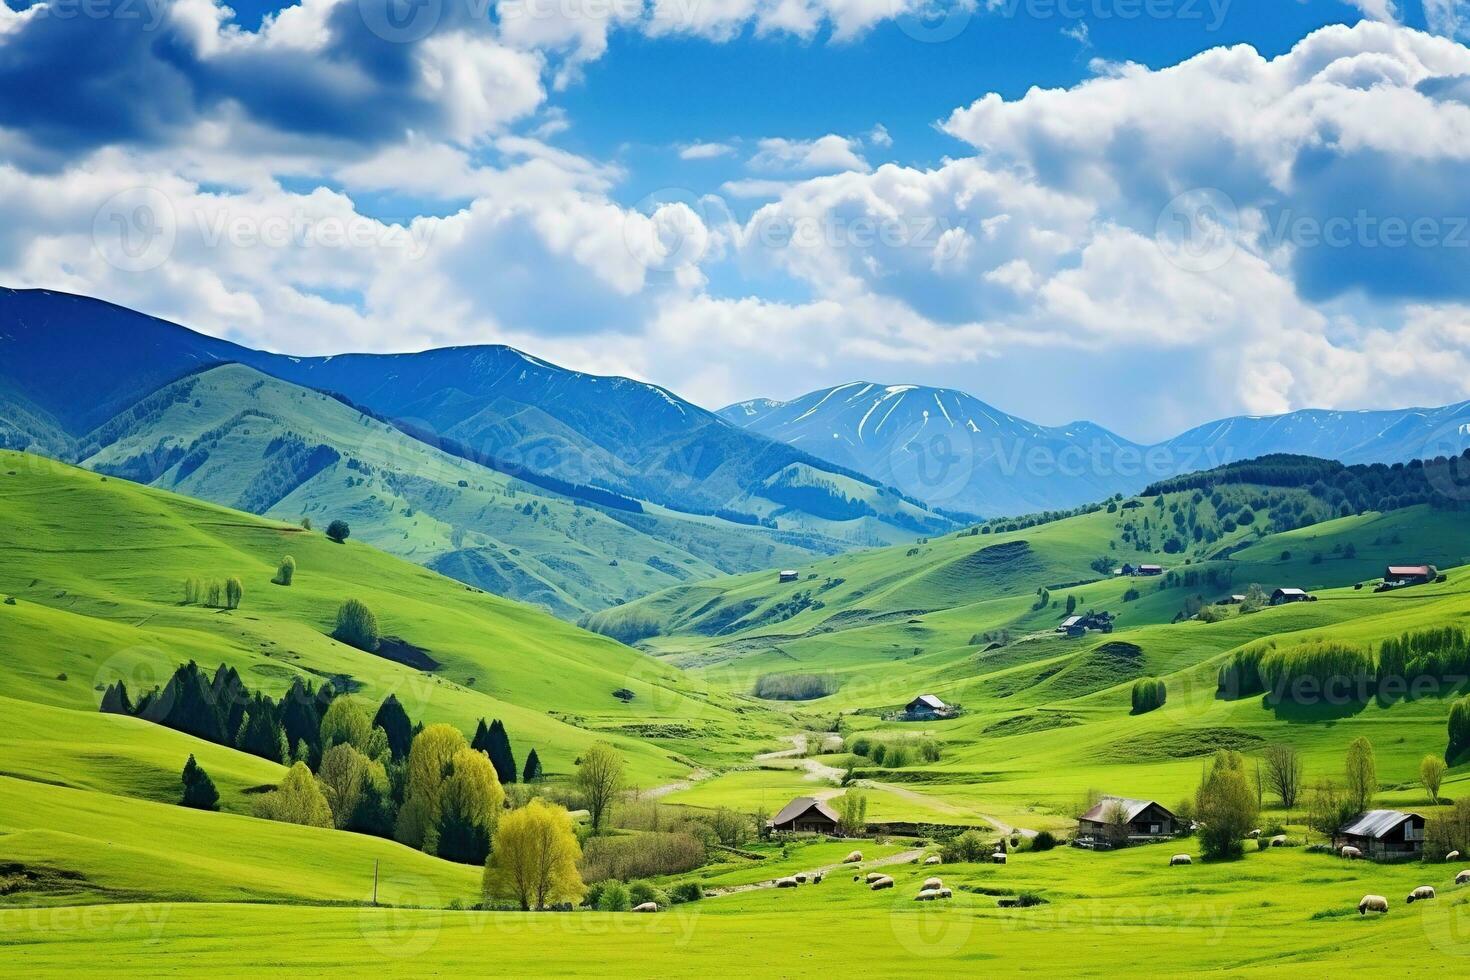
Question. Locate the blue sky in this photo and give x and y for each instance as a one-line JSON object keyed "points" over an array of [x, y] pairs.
{"points": [[1239, 207]]}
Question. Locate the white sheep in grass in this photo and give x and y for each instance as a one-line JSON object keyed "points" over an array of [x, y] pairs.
{"points": [[1279, 840], [1351, 853], [927, 895], [932, 883], [1372, 903], [853, 858], [786, 883], [1463, 878], [1180, 859], [817, 878], [800, 877], [998, 858], [945, 893], [882, 883], [1254, 833], [934, 859], [874, 876], [646, 907], [1452, 856], [1420, 894]]}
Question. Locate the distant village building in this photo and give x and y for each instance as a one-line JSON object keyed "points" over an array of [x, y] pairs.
{"points": [[1142, 821], [1383, 834], [1282, 596], [1149, 570], [1233, 600], [926, 707], [790, 575], [1075, 626], [805, 815], [1410, 574], [1070, 624]]}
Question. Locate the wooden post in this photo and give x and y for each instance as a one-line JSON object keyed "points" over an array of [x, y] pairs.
{"points": [[375, 882]]}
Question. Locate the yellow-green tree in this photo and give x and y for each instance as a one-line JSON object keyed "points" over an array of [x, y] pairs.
{"points": [[428, 759], [298, 799], [347, 722], [1362, 774], [534, 861], [344, 777], [1431, 774], [470, 801], [1226, 806]]}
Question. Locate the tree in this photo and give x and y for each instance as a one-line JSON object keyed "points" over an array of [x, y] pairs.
{"points": [[497, 747], [199, 791], [115, 699], [394, 721], [1284, 773], [428, 760], [600, 778], [532, 771], [1148, 693], [1226, 807], [852, 807], [1362, 774], [1115, 821], [1255, 598], [338, 531], [261, 732], [346, 723], [286, 572], [297, 800], [357, 626], [534, 862], [234, 592], [1431, 774], [344, 776], [469, 808], [1327, 809]]}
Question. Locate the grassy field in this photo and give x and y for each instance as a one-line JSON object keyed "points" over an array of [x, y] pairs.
{"points": [[1280, 912]]}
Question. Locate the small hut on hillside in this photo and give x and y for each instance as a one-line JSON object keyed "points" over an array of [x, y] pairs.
{"points": [[805, 815]]}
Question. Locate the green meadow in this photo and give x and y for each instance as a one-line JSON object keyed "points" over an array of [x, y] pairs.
{"points": [[100, 865]]}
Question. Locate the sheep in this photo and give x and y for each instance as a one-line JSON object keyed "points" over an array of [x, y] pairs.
{"points": [[853, 858], [934, 883], [927, 895], [1254, 833], [800, 877], [1372, 903], [1452, 856], [1351, 853], [998, 858], [646, 907], [1180, 859], [874, 876], [1279, 840], [945, 893], [1420, 894], [1463, 878], [882, 883], [786, 883], [817, 878], [934, 859]]}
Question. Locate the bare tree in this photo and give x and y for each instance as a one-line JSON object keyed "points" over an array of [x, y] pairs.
{"points": [[600, 778], [1115, 819], [1284, 773]]}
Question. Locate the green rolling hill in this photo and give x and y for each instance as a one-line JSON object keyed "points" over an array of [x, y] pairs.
{"points": [[235, 436]]}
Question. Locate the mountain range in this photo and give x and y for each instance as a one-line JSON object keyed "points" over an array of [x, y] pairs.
{"points": [[552, 486], [954, 451]]}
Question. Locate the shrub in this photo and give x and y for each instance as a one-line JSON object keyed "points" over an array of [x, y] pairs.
{"points": [[686, 891], [1044, 840], [862, 745], [1459, 728], [1312, 672], [286, 572], [794, 687], [357, 626], [339, 531], [651, 854], [1148, 693], [613, 897], [968, 847], [645, 891]]}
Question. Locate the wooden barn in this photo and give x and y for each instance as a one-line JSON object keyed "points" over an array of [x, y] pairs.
{"points": [[1143, 821], [1410, 574], [805, 815], [1383, 835], [926, 707], [1281, 597]]}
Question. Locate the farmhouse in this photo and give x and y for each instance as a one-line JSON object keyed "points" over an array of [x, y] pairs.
{"points": [[805, 815], [1149, 570], [1069, 624], [1232, 600], [1282, 596], [1383, 834], [1142, 821], [789, 575], [1410, 574], [926, 707]]}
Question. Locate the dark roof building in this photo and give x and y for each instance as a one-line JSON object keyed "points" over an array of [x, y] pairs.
{"points": [[1149, 570], [926, 706], [1410, 573], [1282, 596], [1383, 834], [805, 815], [1142, 821]]}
